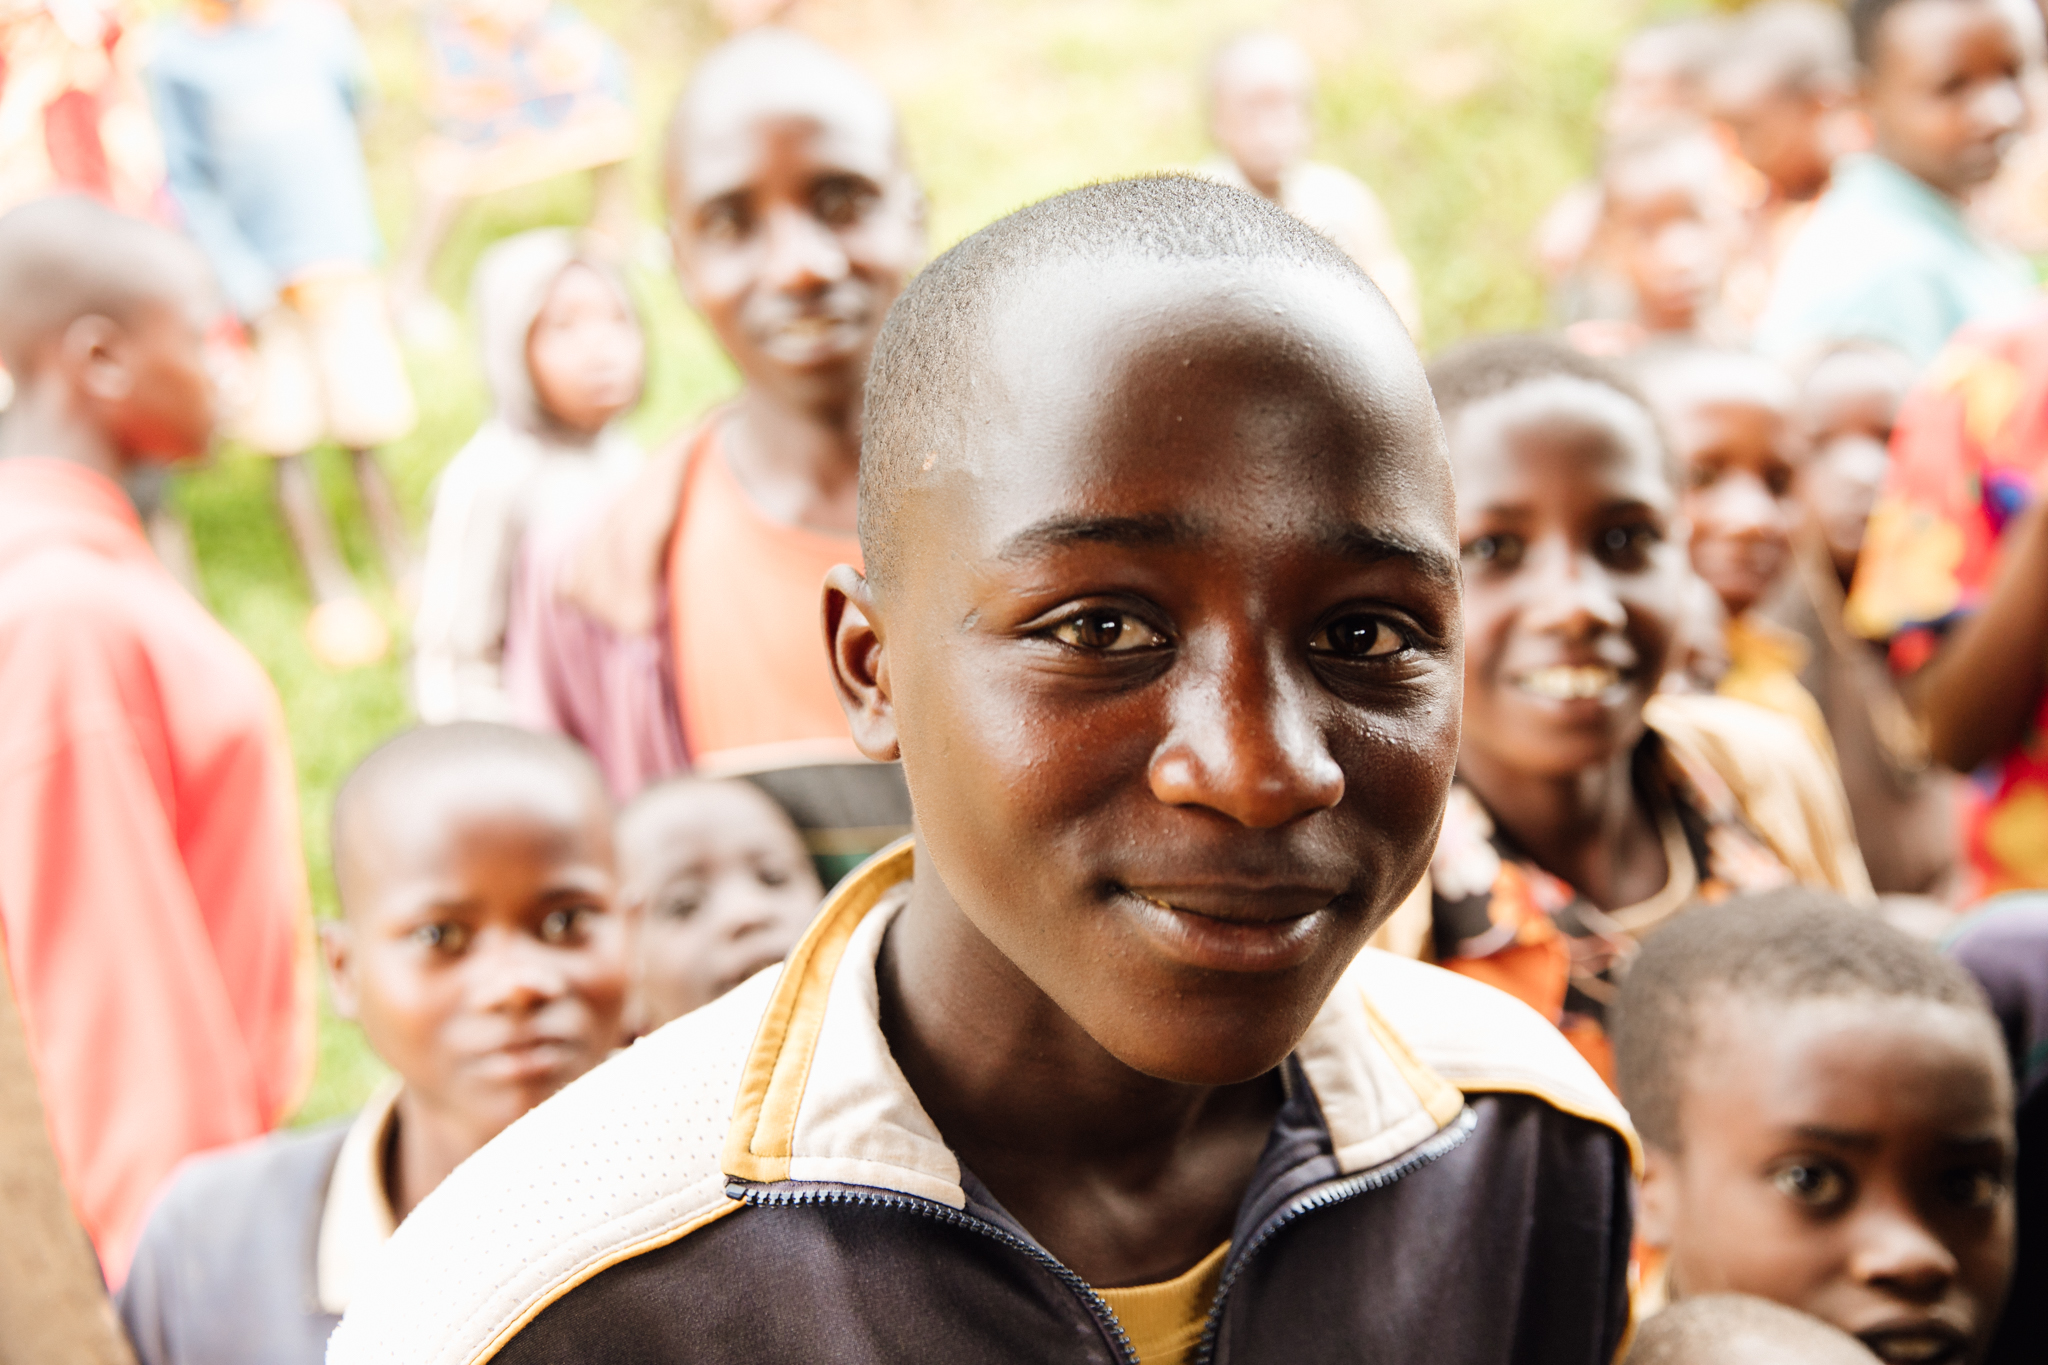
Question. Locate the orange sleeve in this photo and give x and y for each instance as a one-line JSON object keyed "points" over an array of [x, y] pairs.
{"points": [[130, 1025]]}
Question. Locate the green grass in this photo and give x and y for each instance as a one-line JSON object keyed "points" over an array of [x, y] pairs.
{"points": [[1468, 116]]}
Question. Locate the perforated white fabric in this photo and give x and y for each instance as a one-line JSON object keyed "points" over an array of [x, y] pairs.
{"points": [[627, 1159], [623, 1158]]}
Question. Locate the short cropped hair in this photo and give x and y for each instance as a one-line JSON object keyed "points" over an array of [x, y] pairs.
{"points": [[67, 257], [1472, 372], [1774, 947], [1802, 46], [920, 392], [430, 754], [1717, 1328], [1866, 25]]}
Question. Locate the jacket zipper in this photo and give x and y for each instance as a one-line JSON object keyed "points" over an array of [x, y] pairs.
{"points": [[953, 1217], [1322, 1197]]}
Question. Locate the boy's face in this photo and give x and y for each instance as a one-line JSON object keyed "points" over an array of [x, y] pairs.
{"points": [[1740, 459], [1850, 1158], [1172, 656], [721, 887], [1848, 407], [1261, 116], [794, 232], [1573, 574], [585, 352], [481, 955], [1671, 253], [1784, 133], [1944, 93]]}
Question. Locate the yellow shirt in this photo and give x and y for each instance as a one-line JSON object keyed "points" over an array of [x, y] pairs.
{"points": [[1764, 661], [1164, 1321]]}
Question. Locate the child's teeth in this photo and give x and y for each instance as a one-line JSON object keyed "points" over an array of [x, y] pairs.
{"points": [[1570, 684]]}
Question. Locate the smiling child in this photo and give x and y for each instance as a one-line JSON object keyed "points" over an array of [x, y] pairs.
{"points": [[717, 885], [678, 630], [1829, 1118], [1162, 617], [1585, 812], [479, 951]]}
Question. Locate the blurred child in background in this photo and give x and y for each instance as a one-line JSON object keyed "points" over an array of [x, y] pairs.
{"points": [[152, 891], [1739, 1329], [478, 949], [1903, 804], [565, 357], [1586, 812], [1887, 255], [1728, 416], [717, 884], [1665, 229], [1782, 89], [1828, 1122], [1261, 96], [678, 628], [257, 102], [1953, 574]]}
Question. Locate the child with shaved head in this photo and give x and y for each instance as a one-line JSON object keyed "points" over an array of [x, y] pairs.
{"points": [[1161, 616], [717, 885], [678, 630], [152, 893], [479, 951], [1829, 1120]]}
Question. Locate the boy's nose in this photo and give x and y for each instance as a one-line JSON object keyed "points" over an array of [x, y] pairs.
{"points": [[516, 974], [802, 252], [1245, 743], [1571, 594], [1894, 1251], [1740, 505]]}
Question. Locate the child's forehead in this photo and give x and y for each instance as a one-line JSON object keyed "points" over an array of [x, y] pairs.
{"points": [[1094, 367], [1555, 426], [696, 812]]}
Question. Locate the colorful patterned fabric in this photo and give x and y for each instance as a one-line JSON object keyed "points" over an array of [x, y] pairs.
{"points": [[496, 79], [1504, 920], [1970, 444]]}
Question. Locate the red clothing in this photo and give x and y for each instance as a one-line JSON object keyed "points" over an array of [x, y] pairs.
{"points": [[746, 594], [152, 889]]}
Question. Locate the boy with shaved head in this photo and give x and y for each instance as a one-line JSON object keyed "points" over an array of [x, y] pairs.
{"points": [[479, 950], [1162, 619], [152, 893], [680, 630]]}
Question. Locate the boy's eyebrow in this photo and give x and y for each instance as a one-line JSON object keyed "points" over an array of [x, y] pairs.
{"points": [[1836, 1137], [1164, 531]]}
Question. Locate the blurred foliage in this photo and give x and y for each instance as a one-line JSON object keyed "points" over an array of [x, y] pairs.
{"points": [[1468, 117]]}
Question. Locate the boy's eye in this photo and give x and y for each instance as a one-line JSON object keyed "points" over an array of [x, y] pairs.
{"points": [[678, 907], [724, 220], [1975, 1188], [840, 203], [1358, 637], [447, 937], [1501, 552], [1107, 631], [565, 925], [1620, 544], [772, 876], [1811, 1183]]}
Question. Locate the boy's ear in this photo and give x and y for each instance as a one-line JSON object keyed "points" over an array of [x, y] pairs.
{"points": [[860, 665], [1657, 1198], [95, 352], [337, 945]]}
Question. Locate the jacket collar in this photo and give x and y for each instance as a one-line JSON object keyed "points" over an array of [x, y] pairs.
{"points": [[821, 1098]]}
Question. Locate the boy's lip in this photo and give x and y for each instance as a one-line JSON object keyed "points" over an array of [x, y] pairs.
{"points": [[1926, 1341], [1232, 927], [527, 1059]]}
